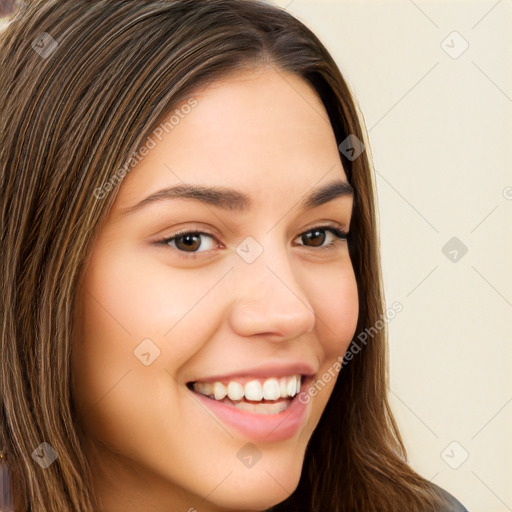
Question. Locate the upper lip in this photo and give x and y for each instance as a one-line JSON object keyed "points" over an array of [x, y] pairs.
{"points": [[269, 370]]}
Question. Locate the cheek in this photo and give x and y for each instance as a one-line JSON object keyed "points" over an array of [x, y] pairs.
{"points": [[124, 302], [334, 296], [128, 299], [130, 307]]}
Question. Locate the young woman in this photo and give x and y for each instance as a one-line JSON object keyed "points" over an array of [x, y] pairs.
{"points": [[189, 258]]}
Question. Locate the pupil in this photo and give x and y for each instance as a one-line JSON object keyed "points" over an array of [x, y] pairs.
{"points": [[189, 241], [314, 234]]}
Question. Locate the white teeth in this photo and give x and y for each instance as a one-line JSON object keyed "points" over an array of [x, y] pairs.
{"points": [[270, 389], [253, 391], [235, 391], [219, 391], [283, 387], [292, 383]]}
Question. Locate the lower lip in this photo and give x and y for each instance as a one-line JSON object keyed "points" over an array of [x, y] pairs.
{"points": [[261, 427]]}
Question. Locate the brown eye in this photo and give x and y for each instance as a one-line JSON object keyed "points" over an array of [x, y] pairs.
{"points": [[315, 236], [323, 237], [188, 242]]}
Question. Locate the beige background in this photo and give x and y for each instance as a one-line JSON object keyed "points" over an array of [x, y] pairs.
{"points": [[439, 120], [440, 132]]}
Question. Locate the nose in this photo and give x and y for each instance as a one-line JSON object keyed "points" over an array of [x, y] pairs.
{"points": [[269, 300]]}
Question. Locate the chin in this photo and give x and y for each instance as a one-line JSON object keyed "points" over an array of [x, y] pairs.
{"points": [[260, 487]]}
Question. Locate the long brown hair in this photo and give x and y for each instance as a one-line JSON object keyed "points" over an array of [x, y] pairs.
{"points": [[82, 84]]}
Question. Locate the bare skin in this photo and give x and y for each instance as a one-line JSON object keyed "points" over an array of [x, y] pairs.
{"points": [[152, 446]]}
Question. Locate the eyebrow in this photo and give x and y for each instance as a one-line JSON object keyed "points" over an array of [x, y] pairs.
{"points": [[234, 200]]}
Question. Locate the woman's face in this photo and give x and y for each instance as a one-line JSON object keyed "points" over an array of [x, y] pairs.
{"points": [[259, 292]]}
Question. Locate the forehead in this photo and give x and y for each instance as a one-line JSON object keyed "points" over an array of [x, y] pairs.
{"points": [[258, 131]]}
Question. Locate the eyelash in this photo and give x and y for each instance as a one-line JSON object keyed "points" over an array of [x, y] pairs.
{"points": [[338, 233]]}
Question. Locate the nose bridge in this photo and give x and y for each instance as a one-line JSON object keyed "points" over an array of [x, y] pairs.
{"points": [[269, 298]]}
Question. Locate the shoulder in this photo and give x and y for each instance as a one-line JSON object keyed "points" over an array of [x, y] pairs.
{"points": [[455, 505]]}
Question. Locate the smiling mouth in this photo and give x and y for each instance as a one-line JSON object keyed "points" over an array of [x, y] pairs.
{"points": [[260, 396]]}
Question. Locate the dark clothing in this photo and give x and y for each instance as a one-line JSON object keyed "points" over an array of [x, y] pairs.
{"points": [[456, 506]]}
